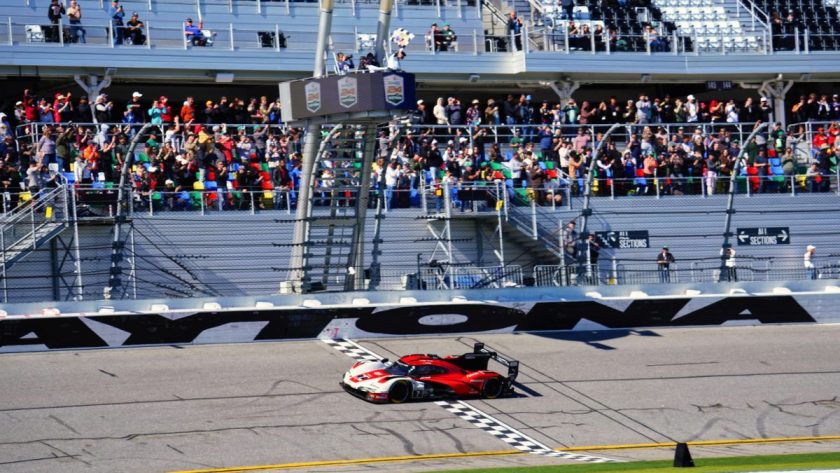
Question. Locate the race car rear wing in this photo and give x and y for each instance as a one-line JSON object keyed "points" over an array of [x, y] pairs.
{"points": [[511, 365], [479, 359]]}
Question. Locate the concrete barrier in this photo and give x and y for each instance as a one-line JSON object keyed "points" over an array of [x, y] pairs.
{"points": [[102, 324]]}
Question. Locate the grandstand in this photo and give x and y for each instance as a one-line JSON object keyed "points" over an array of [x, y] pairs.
{"points": [[487, 211]]}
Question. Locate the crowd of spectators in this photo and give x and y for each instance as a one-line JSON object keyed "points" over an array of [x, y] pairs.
{"points": [[233, 146]]}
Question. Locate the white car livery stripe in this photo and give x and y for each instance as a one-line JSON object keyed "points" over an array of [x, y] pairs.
{"points": [[489, 424]]}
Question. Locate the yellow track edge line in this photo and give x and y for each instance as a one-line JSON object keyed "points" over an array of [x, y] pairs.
{"points": [[703, 443], [442, 456], [289, 466]]}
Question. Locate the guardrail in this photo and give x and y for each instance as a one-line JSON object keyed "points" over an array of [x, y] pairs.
{"points": [[218, 37], [618, 272], [527, 208], [490, 133]]}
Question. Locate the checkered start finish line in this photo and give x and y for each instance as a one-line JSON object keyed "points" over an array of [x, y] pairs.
{"points": [[482, 420]]}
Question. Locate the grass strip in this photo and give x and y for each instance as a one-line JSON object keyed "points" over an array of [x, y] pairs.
{"points": [[807, 461]]}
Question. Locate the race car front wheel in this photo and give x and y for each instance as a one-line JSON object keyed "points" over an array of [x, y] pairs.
{"points": [[492, 388], [399, 392]]}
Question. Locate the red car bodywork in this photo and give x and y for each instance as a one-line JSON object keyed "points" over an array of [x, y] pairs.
{"points": [[432, 377]]}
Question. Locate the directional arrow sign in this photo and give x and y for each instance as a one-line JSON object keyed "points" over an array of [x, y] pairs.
{"points": [[763, 236]]}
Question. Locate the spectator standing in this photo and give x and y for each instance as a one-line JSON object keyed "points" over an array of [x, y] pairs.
{"points": [[454, 112], [663, 263], [45, 151], [188, 110], [568, 8], [83, 112], [731, 273], [395, 60], [344, 63], [570, 241], [439, 111], [514, 28], [117, 15], [54, 12], [447, 37], [692, 112], [102, 109], [74, 14], [809, 262]]}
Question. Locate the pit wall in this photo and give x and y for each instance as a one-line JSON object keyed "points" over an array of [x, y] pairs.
{"points": [[104, 324]]}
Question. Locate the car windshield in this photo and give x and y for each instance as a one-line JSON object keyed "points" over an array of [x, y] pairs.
{"points": [[397, 368]]}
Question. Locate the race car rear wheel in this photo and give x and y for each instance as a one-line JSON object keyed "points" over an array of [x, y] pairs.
{"points": [[399, 392], [492, 388]]}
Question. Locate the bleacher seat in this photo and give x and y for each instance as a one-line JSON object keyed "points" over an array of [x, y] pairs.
{"points": [[35, 34]]}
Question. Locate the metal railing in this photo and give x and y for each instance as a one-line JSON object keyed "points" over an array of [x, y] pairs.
{"points": [[444, 276], [31, 218]]}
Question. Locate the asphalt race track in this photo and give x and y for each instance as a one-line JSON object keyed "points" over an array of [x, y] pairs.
{"points": [[168, 409]]}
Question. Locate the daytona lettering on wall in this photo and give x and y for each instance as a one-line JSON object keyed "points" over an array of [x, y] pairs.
{"points": [[278, 324]]}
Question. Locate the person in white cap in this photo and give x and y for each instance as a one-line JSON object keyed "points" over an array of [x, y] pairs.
{"points": [[810, 268], [691, 109]]}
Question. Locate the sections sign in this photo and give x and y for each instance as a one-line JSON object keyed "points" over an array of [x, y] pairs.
{"points": [[764, 236], [628, 239]]}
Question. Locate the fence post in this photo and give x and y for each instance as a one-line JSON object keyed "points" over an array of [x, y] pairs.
{"points": [[111, 38], [3, 263], [11, 42], [475, 43], [253, 210], [202, 194], [277, 37], [592, 39], [506, 201], [423, 202], [656, 183], [793, 185], [566, 37], [148, 36], [807, 40], [534, 218], [796, 39], [230, 31], [614, 269], [525, 39], [61, 32], [32, 217], [152, 203], [612, 189]]}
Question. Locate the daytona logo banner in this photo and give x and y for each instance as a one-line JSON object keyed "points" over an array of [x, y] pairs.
{"points": [[313, 96], [394, 89], [348, 92]]}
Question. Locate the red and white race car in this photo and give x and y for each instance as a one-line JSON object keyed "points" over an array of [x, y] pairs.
{"points": [[430, 377]]}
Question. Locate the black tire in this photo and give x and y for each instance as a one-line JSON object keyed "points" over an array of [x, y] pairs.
{"points": [[399, 392], [492, 388]]}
